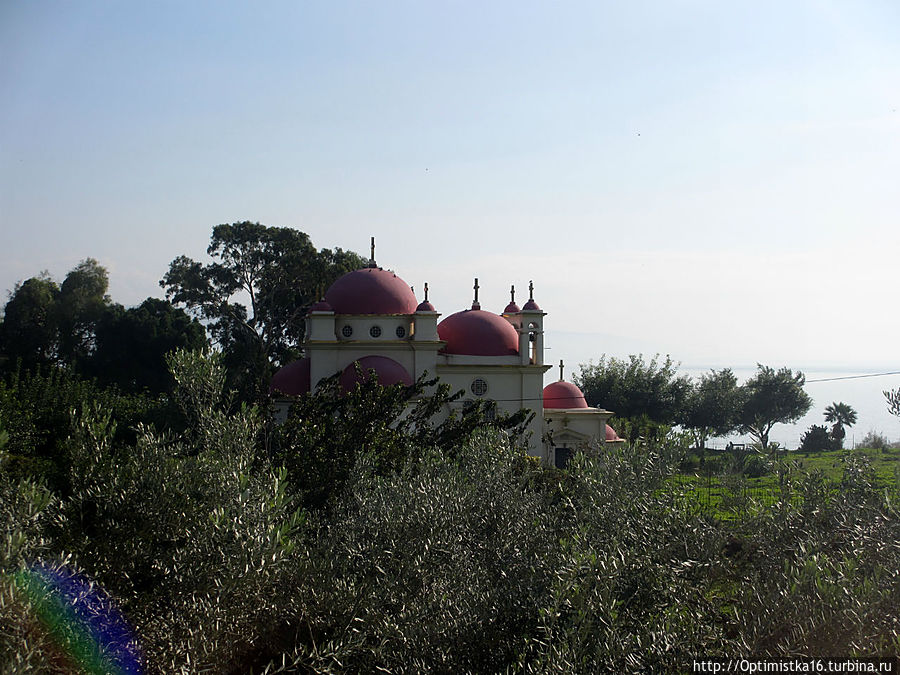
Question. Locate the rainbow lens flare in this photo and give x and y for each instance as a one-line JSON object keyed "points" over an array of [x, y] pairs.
{"points": [[80, 620]]}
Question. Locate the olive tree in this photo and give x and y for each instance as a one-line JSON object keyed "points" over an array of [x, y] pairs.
{"points": [[772, 397]]}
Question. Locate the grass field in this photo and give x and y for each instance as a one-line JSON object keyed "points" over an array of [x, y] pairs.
{"points": [[717, 485]]}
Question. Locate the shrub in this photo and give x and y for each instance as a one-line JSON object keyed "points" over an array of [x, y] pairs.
{"points": [[874, 440], [818, 439]]}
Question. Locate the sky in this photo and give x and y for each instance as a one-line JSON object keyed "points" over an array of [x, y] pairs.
{"points": [[715, 181]]}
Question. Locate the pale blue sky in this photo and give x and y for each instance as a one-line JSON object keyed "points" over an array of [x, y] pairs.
{"points": [[713, 180]]}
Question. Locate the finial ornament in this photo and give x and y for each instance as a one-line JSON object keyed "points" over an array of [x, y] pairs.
{"points": [[512, 294], [372, 256], [426, 291], [531, 290], [475, 304], [560, 370]]}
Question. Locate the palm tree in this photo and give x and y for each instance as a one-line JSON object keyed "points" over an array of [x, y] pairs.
{"points": [[842, 415]]}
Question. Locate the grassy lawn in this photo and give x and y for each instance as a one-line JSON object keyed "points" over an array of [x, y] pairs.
{"points": [[713, 488]]}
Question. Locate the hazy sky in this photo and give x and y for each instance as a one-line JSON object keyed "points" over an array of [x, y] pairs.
{"points": [[715, 180]]}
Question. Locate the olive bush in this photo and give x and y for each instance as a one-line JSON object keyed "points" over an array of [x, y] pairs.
{"points": [[442, 549]]}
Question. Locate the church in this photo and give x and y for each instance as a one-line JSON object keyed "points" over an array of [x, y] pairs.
{"points": [[371, 317]]}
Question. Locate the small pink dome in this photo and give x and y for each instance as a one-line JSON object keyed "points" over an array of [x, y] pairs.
{"points": [[321, 306], [371, 290], [611, 434], [475, 332], [292, 379], [387, 370], [512, 308], [425, 307], [563, 395], [531, 306]]}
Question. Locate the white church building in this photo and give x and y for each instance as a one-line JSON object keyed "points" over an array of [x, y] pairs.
{"points": [[371, 316]]}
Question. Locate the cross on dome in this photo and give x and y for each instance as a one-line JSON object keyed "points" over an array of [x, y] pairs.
{"points": [[475, 304], [372, 255]]}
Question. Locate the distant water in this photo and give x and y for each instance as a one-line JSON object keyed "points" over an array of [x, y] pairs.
{"points": [[825, 387]]}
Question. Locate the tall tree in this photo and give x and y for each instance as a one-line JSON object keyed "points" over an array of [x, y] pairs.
{"points": [[641, 394], [82, 303], [29, 332], [712, 406], [132, 344], [255, 293], [841, 415], [772, 397]]}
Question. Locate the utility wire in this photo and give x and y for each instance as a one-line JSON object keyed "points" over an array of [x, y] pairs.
{"points": [[853, 377]]}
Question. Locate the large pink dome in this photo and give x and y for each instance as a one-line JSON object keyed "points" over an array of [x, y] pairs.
{"points": [[475, 332], [563, 395], [388, 371], [292, 380], [371, 290]]}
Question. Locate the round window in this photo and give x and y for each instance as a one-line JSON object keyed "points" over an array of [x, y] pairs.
{"points": [[401, 332], [479, 386], [347, 331], [375, 331]]}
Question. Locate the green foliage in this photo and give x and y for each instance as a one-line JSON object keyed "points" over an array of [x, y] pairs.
{"points": [[712, 407], [325, 434], [818, 439], [445, 551], [279, 271], [635, 390], [132, 345], [36, 410], [841, 415], [77, 327], [29, 332], [874, 440], [893, 400], [771, 397]]}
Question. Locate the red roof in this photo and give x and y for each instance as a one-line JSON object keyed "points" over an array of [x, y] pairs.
{"points": [[371, 290], [386, 370], [563, 395], [292, 379], [475, 332], [611, 434]]}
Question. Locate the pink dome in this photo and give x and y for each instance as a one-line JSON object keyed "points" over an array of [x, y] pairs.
{"points": [[531, 306], [371, 290], [292, 380], [425, 306], [475, 332], [512, 308], [321, 306], [611, 434], [387, 370], [563, 395]]}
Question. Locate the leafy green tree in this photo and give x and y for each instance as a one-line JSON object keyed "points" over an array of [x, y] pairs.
{"points": [[30, 332], [81, 304], [841, 415], [641, 394], [131, 345], [255, 294], [772, 397], [712, 406]]}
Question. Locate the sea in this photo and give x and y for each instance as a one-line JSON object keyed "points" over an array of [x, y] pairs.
{"points": [[860, 388]]}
